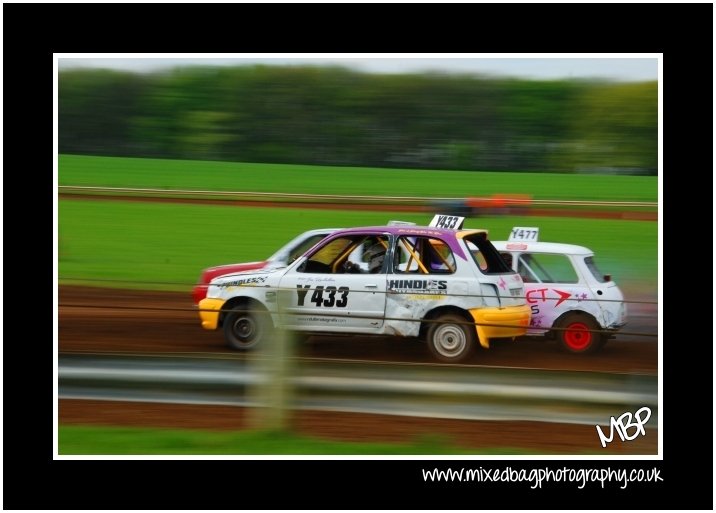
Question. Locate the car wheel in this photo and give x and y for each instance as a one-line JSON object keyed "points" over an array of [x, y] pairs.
{"points": [[579, 334], [450, 338], [245, 328]]}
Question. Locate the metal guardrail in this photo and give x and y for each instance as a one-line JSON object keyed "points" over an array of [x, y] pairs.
{"points": [[419, 390]]}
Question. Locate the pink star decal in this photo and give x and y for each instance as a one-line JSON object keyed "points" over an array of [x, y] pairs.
{"points": [[502, 283], [581, 297]]}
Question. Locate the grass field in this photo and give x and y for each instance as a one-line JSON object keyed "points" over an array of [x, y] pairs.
{"points": [[165, 246], [86, 440], [230, 176], [168, 244]]}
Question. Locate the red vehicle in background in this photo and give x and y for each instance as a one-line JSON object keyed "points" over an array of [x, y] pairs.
{"points": [[287, 254]]}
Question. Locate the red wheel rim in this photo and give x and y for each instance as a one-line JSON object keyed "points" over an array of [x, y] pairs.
{"points": [[578, 336]]}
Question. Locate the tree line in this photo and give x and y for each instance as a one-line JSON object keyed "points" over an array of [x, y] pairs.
{"points": [[335, 116]]}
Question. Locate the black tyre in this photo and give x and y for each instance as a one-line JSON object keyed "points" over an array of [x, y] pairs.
{"points": [[579, 334], [451, 339], [246, 327]]}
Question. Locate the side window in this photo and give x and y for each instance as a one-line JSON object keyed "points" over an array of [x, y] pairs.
{"points": [[369, 255], [524, 269], [423, 255], [356, 253], [546, 268]]}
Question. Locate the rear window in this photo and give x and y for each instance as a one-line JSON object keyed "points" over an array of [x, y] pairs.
{"points": [[485, 255], [594, 269]]}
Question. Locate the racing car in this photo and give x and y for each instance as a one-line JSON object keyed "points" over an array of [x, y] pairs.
{"points": [[443, 283], [569, 298]]}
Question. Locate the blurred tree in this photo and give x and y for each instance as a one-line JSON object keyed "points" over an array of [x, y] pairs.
{"points": [[97, 110], [331, 115], [617, 129]]}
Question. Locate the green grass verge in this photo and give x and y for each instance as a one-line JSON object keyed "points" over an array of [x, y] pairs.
{"points": [[93, 440], [165, 246], [238, 176]]}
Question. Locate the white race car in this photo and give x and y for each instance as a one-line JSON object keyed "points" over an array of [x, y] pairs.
{"points": [[570, 299], [440, 282]]}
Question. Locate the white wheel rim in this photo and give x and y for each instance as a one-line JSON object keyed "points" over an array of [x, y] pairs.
{"points": [[449, 340]]}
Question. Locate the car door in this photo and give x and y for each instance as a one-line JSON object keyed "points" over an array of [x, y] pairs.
{"points": [[317, 294]]}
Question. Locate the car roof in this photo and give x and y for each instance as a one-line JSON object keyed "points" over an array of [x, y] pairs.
{"points": [[319, 231], [542, 247], [410, 230]]}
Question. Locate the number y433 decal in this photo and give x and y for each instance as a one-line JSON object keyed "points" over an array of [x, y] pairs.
{"points": [[317, 297]]}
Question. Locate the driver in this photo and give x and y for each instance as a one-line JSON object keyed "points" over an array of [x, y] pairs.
{"points": [[375, 255]]}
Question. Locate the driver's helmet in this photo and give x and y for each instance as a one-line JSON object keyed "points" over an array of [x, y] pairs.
{"points": [[375, 255]]}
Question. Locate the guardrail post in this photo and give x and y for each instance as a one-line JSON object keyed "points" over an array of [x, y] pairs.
{"points": [[273, 395]]}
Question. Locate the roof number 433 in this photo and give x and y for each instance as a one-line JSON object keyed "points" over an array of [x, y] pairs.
{"points": [[449, 222]]}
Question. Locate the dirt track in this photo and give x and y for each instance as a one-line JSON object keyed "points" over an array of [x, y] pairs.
{"points": [[151, 321], [144, 321]]}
